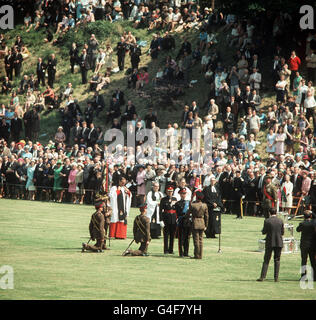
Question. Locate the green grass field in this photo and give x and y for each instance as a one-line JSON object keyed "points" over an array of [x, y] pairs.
{"points": [[42, 242]]}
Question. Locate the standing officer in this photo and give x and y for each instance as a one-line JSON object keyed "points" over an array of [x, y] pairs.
{"points": [[274, 229], [141, 232], [308, 229], [168, 214], [198, 213], [270, 196], [213, 199], [183, 224], [51, 70], [237, 194]]}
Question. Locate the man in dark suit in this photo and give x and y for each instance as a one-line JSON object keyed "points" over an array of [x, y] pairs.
{"points": [[274, 229], [84, 132], [16, 127], [51, 70], [84, 65], [8, 63], [92, 136], [40, 71], [255, 100], [308, 229], [237, 194], [229, 121], [98, 103], [114, 111], [130, 110], [250, 188], [76, 132], [121, 52], [119, 95], [17, 62], [6, 86], [296, 179], [213, 199]]}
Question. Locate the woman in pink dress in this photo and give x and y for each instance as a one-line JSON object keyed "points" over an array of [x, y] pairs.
{"points": [[141, 186], [72, 182]]}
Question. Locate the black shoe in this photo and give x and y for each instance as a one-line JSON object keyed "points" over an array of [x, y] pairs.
{"points": [[165, 252], [260, 279], [276, 280], [171, 252]]}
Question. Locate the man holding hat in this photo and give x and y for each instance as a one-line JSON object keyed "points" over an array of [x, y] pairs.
{"points": [[308, 234], [183, 223], [168, 214], [97, 226], [141, 230], [199, 215]]}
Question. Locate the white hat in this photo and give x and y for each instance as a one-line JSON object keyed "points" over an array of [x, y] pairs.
{"points": [[242, 137]]}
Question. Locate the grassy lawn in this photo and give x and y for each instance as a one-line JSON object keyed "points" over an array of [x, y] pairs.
{"points": [[42, 242]]}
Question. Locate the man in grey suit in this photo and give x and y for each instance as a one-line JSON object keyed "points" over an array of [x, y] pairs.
{"points": [[274, 229]]}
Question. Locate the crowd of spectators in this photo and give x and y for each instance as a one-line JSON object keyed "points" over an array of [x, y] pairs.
{"points": [[77, 163]]}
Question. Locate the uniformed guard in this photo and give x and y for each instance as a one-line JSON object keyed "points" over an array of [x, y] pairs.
{"points": [[169, 217], [237, 194], [183, 224], [199, 215], [270, 196], [307, 246], [97, 229]]}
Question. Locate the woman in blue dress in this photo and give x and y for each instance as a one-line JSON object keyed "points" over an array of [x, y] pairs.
{"points": [[30, 180], [270, 141]]}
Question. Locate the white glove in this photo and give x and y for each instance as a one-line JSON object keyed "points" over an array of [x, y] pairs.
{"points": [[243, 197], [162, 224]]}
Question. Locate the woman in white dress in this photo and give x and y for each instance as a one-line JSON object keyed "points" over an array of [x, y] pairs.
{"points": [[100, 60], [153, 201], [286, 194], [108, 57]]}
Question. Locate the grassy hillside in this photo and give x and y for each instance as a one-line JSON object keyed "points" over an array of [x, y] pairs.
{"points": [[42, 242], [106, 32]]}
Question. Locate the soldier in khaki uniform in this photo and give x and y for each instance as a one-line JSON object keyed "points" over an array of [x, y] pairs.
{"points": [[199, 214], [270, 196], [141, 232], [99, 225]]}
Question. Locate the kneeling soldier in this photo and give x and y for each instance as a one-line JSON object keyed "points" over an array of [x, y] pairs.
{"points": [[98, 226], [141, 230]]}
